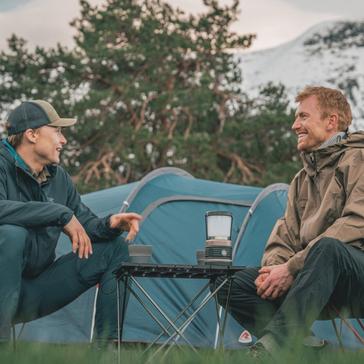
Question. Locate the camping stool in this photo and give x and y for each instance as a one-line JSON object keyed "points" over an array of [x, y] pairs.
{"points": [[349, 326], [94, 313], [13, 334]]}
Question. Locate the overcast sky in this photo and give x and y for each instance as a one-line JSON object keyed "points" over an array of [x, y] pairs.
{"points": [[46, 22]]}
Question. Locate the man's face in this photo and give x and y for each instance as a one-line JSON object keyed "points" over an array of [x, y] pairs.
{"points": [[49, 144], [309, 127]]}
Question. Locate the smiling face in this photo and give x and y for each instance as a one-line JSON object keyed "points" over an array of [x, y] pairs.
{"points": [[311, 129], [48, 145]]}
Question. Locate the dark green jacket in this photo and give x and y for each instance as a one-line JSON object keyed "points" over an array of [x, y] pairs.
{"points": [[44, 209]]}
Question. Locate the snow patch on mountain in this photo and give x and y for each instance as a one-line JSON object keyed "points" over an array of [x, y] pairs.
{"points": [[329, 54]]}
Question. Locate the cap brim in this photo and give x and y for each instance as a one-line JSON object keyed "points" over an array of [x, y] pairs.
{"points": [[62, 122]]}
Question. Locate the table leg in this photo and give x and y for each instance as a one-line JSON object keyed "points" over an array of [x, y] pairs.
{"points": [[225, 313], [191, 318], [126, 283], [118, 310], [146, 308], [218, 319], [156, 306], [121, 311], [195, 298]]}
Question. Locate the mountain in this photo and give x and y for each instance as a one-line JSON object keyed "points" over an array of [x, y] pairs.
{"points": [[329, 54]]}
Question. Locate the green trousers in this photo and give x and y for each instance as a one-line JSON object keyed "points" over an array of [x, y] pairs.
{"points": [[24, 297], [333, 275]]}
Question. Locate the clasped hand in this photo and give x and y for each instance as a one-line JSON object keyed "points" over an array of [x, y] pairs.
{"points": [[273, 281], [81, 241]]}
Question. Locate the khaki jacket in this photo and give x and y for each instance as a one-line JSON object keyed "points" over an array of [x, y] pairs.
{"points": [[325, 199]]}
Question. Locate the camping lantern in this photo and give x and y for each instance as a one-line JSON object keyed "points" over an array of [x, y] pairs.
{"points": [[218, 248], [218, 225]]}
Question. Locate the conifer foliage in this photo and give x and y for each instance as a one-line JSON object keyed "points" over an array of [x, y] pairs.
{"points": [[152, 86]]}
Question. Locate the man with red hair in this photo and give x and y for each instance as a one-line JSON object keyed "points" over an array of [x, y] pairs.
{"points": [[314, 258]]}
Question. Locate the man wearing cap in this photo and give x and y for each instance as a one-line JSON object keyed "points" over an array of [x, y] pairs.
{"points": [[37, 202]]}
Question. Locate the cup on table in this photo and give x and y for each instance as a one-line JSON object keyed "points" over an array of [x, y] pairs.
{"points": [[139, 253], [200, 257]]}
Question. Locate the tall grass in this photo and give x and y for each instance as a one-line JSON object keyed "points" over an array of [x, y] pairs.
{"points": [[36, 353]]}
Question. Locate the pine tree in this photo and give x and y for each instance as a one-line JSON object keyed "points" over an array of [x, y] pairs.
{"points": [[151, 87]]}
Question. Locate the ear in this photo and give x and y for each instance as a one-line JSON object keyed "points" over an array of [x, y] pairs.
{"points": [[333, 122], [31, 135]]}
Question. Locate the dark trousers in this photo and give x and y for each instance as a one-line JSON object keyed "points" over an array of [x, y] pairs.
{"points": [[24, 298], [333, 275]]}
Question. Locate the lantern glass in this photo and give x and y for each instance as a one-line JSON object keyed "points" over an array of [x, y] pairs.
{"points": [[218, 225]]}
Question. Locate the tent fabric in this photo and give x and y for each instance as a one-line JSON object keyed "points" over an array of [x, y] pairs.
{"points": [[173, 205]]}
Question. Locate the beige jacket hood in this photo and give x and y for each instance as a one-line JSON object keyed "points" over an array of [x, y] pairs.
{"points": [[325, 199]]}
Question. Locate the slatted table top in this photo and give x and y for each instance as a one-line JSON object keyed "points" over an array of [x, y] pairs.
{"points": [[206, 271]]}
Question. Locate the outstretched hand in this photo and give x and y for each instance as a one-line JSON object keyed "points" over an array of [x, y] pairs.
{"points": [[128, 221], [273, 281]]}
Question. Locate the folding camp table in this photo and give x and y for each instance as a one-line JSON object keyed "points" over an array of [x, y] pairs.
{"points": [[127, 274]]}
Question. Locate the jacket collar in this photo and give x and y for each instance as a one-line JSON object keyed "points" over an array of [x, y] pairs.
{"points": [[337, 138], [9, 153], [328, 156], [17, 158]]}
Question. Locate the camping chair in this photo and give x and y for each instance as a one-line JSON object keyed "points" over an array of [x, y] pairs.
{"points": [[94, 314], [14, 336], [343, 320]]}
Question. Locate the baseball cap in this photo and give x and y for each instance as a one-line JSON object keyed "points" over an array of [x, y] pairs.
{"points": [[34, 114]]}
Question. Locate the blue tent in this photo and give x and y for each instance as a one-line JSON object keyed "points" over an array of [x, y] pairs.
{"points": [[173, 204]]}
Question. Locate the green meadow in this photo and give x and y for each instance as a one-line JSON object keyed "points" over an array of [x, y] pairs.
{"points": [[37, 353]]}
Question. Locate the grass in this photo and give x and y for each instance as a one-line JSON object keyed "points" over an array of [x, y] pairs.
{"points": [[37, 353]]}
